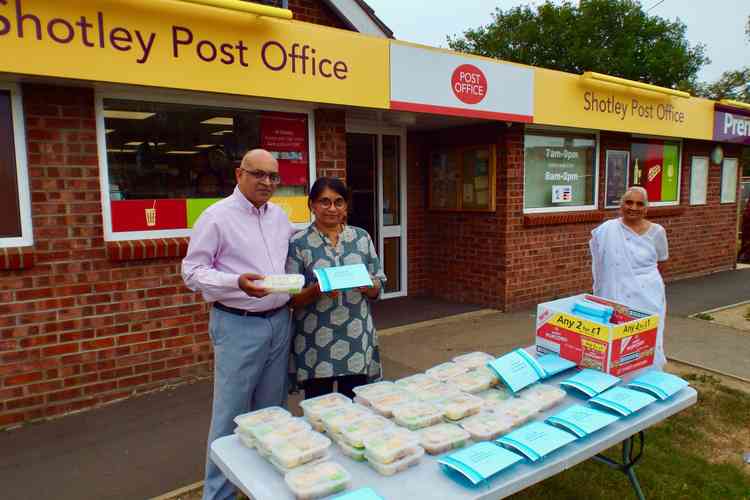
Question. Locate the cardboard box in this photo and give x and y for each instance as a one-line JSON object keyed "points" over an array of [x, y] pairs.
{"points": [[611, 348]]}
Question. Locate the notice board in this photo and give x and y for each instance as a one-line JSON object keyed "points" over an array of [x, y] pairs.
{"points": [[462, 179]]}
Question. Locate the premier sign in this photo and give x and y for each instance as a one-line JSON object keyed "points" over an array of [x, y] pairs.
{"points": [[731, 125]]}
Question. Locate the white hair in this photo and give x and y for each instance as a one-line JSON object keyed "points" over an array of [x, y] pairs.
{"points": [[635, 189]]}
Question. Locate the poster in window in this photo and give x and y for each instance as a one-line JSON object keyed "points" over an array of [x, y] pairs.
{"points": [[285, 136], [729, 180], [443, 181], [617, 177], [655, 166], [698, 180]]}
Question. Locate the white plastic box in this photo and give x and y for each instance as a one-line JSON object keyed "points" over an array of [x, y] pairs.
{"points": [[246, 422], [268, 434], [317, 480], [491, 396], [356, 454], [416, 383], [283, 283], [390, 445], [545, 395], [314, 408], [417, 414], [355, 433], [438, 392], [366, 393], [473, 360], [300, 449], [517, 410], [446, 371], [383, 405], [461, 406], [442, 437], [473, 381], [488, 426], [336, 418], [399, 465]]}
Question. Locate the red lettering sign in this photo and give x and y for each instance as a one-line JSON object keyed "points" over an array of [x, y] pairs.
{"points": [[285, 136], [469, 84]]}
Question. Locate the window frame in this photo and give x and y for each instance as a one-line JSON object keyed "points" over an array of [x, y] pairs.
{"points": [[550, 130], [693, 199], [238, 103], [680, 142], [722, 194], [22, 171]]}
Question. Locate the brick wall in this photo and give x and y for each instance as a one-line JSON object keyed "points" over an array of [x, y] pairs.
{"points": [[330, 143], [315, 11], [523, 260]]}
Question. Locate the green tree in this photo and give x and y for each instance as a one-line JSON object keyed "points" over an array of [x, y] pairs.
{"points": [[733, 85], [615, 37]]}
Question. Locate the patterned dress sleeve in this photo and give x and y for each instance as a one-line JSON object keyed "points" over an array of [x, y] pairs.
{"points": [[294, 262], [374, 266]]}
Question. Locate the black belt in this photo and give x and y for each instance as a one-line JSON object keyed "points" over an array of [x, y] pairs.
{"points": [[242, 312]]}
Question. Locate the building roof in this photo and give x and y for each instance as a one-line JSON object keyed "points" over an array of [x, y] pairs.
{"points": [[360, 17]]}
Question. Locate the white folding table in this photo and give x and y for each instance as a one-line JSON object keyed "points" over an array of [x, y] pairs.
{"points": [[260, 481]]}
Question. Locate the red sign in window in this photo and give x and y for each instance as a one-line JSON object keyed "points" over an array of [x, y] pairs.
{"points": [[285, 135], [148, 215], [469, 84]]}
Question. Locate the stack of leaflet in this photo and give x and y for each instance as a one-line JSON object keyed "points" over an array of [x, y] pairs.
{"points": [[536, 440], [519, 369], [478, 462], [593, 311], [590, 382], [660, 384], [622, 400], [582, 420], [392, 450]]}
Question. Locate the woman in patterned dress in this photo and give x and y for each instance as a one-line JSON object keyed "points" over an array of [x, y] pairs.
{"points": [[334, 338]]}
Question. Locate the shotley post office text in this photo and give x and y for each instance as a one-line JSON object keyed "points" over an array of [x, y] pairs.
{"points": [[298, 58], [635, 108]]}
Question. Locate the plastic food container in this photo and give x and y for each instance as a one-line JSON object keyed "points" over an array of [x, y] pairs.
{"points": [[446, 371], [383, 405], [355, 433], [438, 392], [300, 448], [283, 283], [487, 426], [417, 414], [247, 421], [366, 393], [473, 381], [333, 420], [390, 445], [473, 360], [245, 438], [493, 376], [317, 480], [400, 465], [545, 395], [285, 470], [416, 383], [271, 433], [492, 396], [315, 407], [442, 437], [461, 406], [517, 410], [356, 454]]}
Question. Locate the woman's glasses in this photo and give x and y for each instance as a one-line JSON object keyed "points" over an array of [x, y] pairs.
{"points": [[327, 202], [272, 177]]}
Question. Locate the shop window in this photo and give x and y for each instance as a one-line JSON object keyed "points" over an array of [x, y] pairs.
{"points": [[655, 165], [559, 171], [698, 180], [462, 179], [168, 162], [729, 180], [15, 224]]}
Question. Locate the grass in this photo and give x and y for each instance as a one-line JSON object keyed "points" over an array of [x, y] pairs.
{"points": [[747, 314], [696, 454], [703, 316]]}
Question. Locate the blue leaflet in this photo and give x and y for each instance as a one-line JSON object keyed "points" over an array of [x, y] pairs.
{"points": [[360, 494], [536, 440], [660, 384], [480, 461], [517, 369], [623, 401], [590, 382], [582, 420], [342, 277], [552, 364]]}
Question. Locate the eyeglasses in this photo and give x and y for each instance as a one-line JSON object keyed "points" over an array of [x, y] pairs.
{"points": [[630, 203], [326, 203], [272, 177]]}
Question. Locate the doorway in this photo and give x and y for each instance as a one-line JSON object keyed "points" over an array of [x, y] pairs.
{"points": [[376, 176]]}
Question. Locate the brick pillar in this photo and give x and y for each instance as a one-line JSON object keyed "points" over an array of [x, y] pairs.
{"points": [[330, 143]]}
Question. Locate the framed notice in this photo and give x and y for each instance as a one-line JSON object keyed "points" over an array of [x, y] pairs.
{"points": [[698, 180], [617, 177], [729, 180], [462, 179]]}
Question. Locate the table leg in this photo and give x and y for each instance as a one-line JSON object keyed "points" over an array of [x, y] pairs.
{"points": [[627, 466]]}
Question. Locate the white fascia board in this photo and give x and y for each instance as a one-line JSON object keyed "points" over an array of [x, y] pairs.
{"points": [[361, 21]]}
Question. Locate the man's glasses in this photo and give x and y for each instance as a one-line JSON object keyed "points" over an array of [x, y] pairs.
{"points": [[272, 177], [326, 202]]}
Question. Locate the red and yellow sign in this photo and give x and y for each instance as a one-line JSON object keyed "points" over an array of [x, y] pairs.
{"points": [[186, 46]]}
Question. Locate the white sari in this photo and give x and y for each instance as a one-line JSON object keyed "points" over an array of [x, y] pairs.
{"points": [[624, 266]]}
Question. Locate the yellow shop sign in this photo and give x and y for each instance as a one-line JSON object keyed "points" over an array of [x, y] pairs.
{"points": [[572, 100], [179, 45]]}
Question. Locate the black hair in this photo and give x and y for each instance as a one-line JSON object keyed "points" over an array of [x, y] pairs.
{"points": [[333, 183]]}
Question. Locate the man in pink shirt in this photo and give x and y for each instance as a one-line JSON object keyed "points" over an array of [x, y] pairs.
{"points": [[234, 243]]}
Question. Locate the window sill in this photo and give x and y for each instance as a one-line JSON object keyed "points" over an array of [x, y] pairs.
{"points": [[160, 248], [16, 258], [530, 220]]}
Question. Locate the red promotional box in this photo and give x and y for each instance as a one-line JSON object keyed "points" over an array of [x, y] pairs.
{"points": [[625, 344]]}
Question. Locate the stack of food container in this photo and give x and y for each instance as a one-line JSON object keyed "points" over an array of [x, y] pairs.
{"points": [[364, 394], [442, 437], [545, 395], [486, 426], [446, 371], [249, 421], [314, 408], [417, 414], [460, 406], [416, 383], [517, 410], [392, 450], [383, 405], [473, 360], [317, 480], [352, 436], [299, 449]]}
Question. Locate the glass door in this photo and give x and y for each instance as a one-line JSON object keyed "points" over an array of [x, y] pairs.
{"points": [[376, 176]]}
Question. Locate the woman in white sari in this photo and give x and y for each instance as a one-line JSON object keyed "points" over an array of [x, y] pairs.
{"points": [[625, 255]]}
